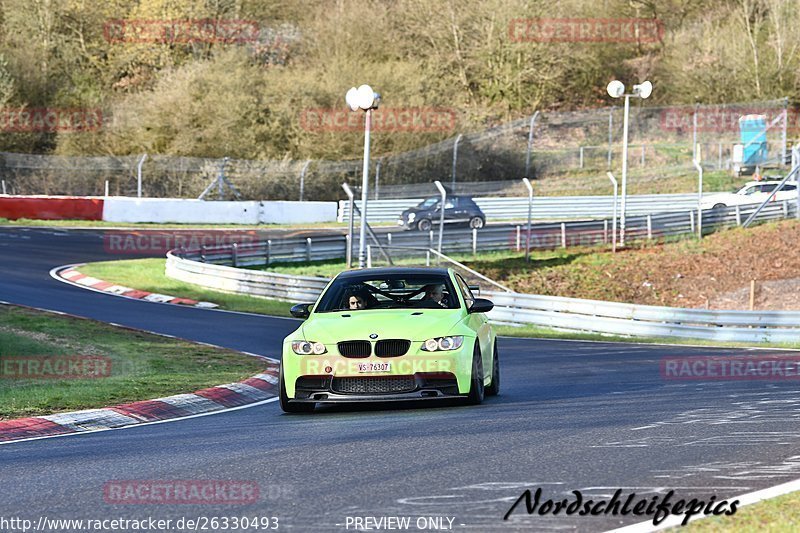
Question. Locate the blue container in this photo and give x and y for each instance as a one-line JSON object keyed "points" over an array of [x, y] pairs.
{"points": [[753, 132]]}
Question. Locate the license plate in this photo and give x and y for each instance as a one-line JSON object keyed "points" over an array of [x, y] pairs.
{"points": [[374, 367]]}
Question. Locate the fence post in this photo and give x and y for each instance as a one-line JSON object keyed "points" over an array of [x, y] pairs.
{"points": [[563, 235], [738, 216], [785, 209], [430, 239], [518, 238], [783, 133], [643, 151], [235, 254], [308, 249], [605, 231], [649, 227], [303, 179], [369, 256], [530, 145], [455, 160], [389, 238], [475, 240], [349, 251], [691, 221], [581, 157], [203, 253], [4, 187], [269, 251], [428, 258], [377, 177], [139, 176], [105, 189]]}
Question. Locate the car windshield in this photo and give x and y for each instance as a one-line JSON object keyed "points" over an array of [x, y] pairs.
{"points": [[392, 291]]}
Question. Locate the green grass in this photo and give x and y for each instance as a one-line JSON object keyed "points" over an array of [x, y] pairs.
{"points": [[148, 275], [143, 366], [775, 515]]}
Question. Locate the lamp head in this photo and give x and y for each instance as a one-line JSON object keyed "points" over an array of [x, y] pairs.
{"points": [[643, 90], [615, 89]]}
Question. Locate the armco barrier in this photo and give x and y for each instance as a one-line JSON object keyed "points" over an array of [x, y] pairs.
{"points": [[496, 237], [51, 207], [526, 309], [544, 207], [176, 210]]}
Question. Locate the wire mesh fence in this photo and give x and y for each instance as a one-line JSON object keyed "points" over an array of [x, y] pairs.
{"points": [[562, 152]]}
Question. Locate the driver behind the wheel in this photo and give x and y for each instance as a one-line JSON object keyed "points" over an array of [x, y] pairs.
{"points": [[435, 292]]}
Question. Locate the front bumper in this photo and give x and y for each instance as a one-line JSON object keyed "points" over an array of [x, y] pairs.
{"points": [[333, 377], [325, 389]]}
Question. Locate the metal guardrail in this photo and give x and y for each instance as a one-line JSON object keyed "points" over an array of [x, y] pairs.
{"points": [[217, 268], [509, 237], [526, 309], [544, 207]]}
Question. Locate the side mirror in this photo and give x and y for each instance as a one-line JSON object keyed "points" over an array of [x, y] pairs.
{"points": [[301, 310], [481, 305]]}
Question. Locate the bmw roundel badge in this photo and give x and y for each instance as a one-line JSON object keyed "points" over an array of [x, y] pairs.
{"points": [[373, 335]]}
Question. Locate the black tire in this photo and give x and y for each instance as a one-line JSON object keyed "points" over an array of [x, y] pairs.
{"points": [[476, 391], [424, 225], [289, 406], [476, 223], [719, 206], [494, 387]]}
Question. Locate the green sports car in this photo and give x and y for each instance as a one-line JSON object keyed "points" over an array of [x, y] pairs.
{"points": [[384, 334]]}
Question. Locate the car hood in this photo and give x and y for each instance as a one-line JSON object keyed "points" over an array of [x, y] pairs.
{"points": [[330, 328]]}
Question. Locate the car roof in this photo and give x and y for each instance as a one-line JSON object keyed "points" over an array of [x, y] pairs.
{"points": [[390, 271]]}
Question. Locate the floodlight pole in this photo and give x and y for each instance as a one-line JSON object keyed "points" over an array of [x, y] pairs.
{"points": [[527, 183], [624, 170], [362, 232], [443, 192]]}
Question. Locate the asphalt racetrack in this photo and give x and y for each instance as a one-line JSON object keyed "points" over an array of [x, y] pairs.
{"points": [[593, 417]]}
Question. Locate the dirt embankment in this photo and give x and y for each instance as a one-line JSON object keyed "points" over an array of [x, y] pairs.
{"points": [[715, 273]]}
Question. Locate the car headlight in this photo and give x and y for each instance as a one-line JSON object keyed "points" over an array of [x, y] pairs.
{"points": [[411, 217], [308, 348], [443, 344]]}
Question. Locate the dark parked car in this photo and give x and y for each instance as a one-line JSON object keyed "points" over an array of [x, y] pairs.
{"points": [[457, 210]]}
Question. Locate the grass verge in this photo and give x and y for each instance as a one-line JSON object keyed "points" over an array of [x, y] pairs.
{"points": [[142, 366], [776, 515], [148, 275]]}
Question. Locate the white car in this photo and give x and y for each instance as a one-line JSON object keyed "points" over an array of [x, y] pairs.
{"points": [[754, 192]]}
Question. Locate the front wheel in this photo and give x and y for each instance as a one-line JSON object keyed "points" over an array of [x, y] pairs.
{"points": [[494, 387], [476, 391], [289, 406], [424, 225], [476, 223]]}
